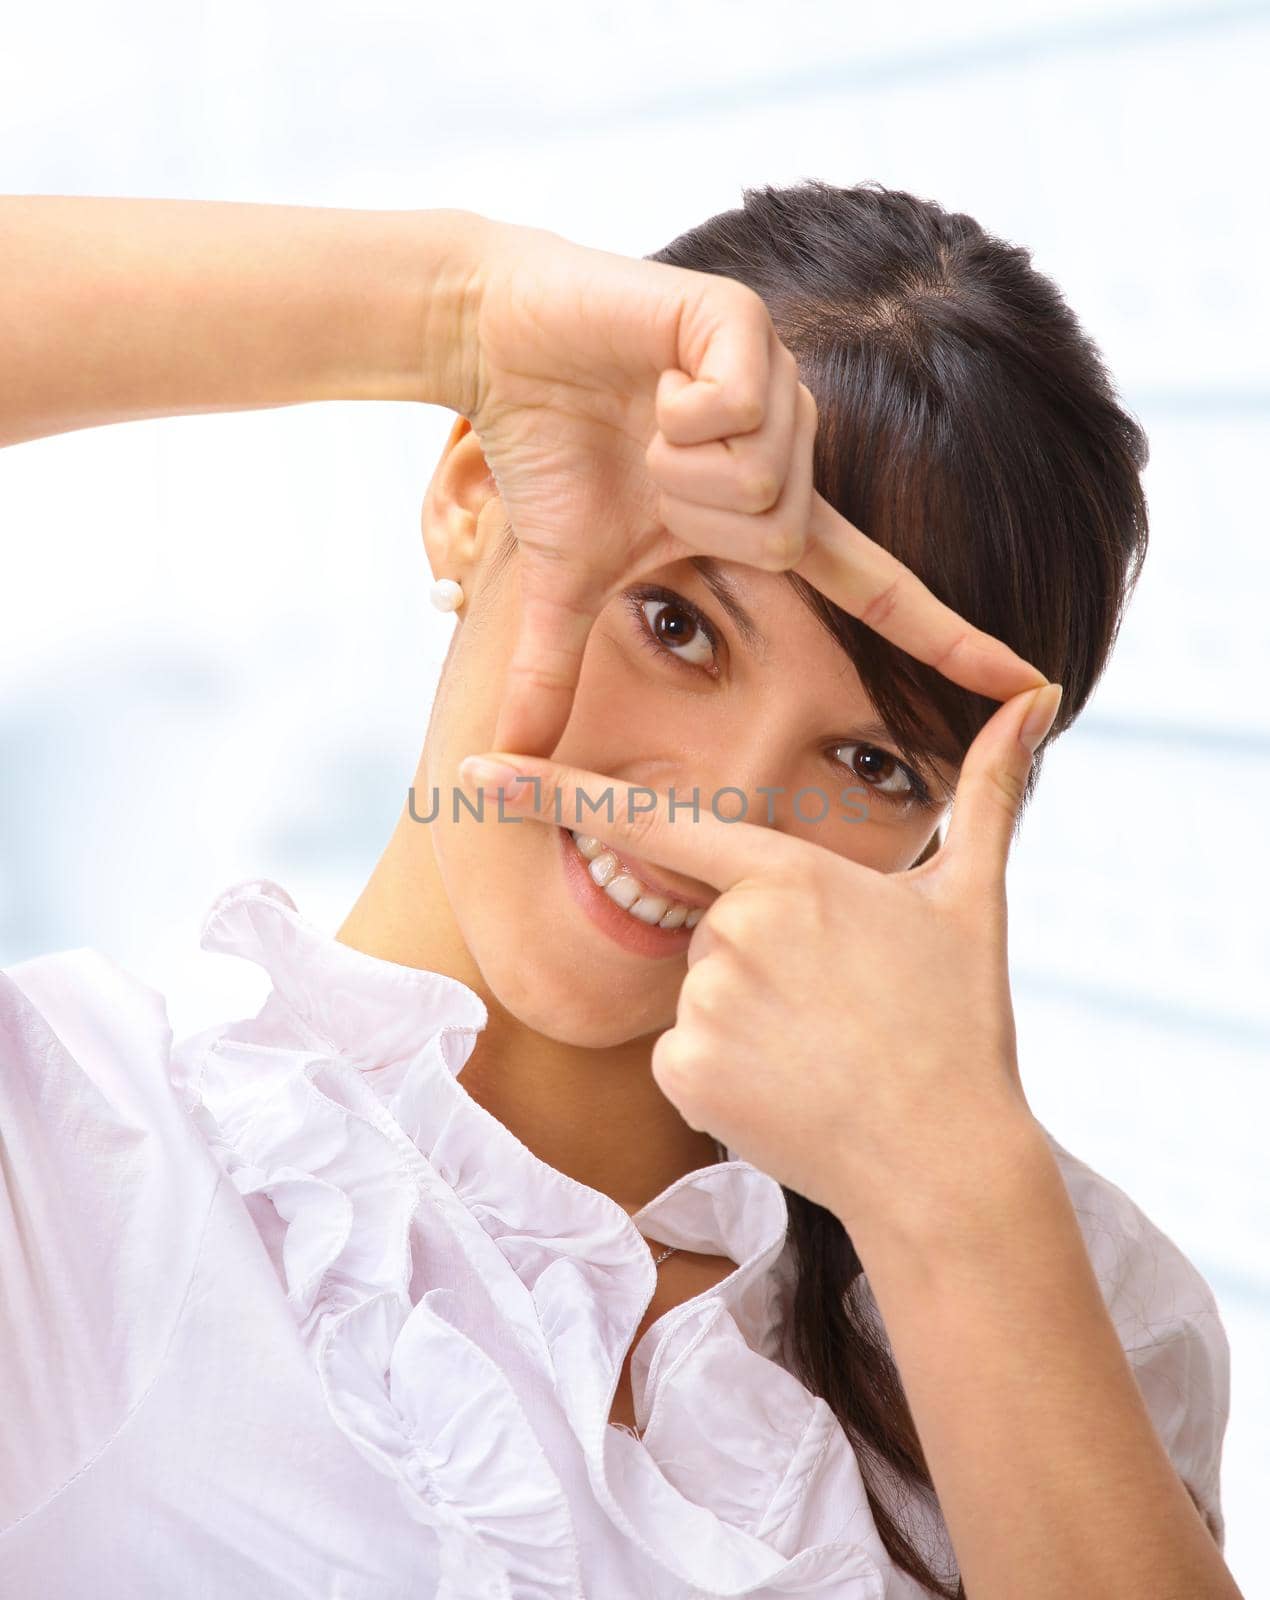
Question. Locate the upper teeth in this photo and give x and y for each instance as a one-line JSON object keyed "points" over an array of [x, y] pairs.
{"points": [[628, 892]]}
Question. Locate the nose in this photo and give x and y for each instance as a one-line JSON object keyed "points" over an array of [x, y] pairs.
{"points": [[722, 785]]}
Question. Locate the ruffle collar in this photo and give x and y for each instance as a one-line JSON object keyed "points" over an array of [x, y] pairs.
{"points": [[340, 1115]]}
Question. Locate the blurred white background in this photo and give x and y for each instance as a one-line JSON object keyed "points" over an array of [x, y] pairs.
{"points": [[216, 652]]}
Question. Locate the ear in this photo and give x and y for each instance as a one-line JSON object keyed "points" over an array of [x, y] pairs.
{"points": [[459, 511]]}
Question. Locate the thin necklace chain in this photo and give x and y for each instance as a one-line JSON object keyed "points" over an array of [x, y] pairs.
{"points": [[657, 1261], [670, 1250]]}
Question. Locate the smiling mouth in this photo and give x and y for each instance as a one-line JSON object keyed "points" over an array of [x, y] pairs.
{"points": [[628, 891]]}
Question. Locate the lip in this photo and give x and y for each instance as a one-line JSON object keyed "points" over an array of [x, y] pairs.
{"points": [[648, 877], [640, 938]]}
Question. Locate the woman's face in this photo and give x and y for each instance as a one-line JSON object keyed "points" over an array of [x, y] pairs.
{"points": [[678, 690]]}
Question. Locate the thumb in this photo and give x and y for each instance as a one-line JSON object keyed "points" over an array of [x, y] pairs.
{"points": [[992, 783], [557, 614]]}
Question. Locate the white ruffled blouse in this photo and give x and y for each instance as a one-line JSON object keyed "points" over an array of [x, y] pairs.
{"points": [[285, 1312]]}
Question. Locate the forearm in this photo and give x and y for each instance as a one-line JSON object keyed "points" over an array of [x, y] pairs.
{"points": [[1051, 1477], [116, 309]]}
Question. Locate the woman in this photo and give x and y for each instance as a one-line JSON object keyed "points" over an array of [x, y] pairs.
{"points": [[649, 1195]]}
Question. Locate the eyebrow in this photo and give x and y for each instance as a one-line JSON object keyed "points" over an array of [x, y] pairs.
{"points": [[721, 588]]}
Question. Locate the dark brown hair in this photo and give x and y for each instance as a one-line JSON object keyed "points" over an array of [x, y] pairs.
{"points": [[967, 424]]}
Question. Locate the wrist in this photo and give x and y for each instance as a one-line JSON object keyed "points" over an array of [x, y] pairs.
{"points": [[412, 332], [440, 353], [1002, 1185]]}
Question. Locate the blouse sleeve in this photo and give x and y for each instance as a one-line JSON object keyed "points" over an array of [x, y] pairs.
{"points": [[101, 1193], [1169, 1326]]}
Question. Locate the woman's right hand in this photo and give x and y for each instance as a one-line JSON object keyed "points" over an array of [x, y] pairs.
{"points": [[633, 414]]}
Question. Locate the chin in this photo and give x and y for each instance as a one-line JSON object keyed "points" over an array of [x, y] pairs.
{"points": [[573, 1006]]}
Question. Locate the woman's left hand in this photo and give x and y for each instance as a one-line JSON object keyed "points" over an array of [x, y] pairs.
{"points": [[849, 1032]]}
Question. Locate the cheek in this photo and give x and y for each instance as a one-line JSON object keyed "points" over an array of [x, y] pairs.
{"points": [[465, 707], [618, 705], [914, 838], [885, 840], [543, 960]]}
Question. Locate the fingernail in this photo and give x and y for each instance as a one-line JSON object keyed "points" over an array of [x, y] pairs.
{"points": [[1040, 716], [479, 772]]}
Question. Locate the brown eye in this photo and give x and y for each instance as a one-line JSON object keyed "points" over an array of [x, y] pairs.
{"points": [[677, 631], [879, 768]]}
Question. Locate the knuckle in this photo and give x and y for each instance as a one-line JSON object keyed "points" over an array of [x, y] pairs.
{"points": [[539, 676], [674, 1059], [751, 303], [1008, 786], [784, 547], [757, 476], [732, 919], [706, 990], [797, 543], [882, 606], [748, 411], [965, 644], [760, 489]]}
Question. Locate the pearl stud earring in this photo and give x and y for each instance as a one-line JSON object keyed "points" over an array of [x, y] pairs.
{"points": [[447, 595]]}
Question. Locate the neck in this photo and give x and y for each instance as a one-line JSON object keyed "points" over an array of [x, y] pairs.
{"points": [[596, 1115]]}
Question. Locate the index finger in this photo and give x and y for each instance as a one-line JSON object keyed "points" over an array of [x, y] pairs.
{"points": [[860, 576], [663, 828]]}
